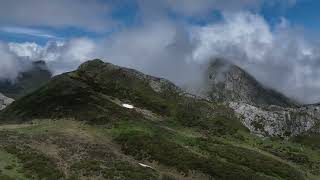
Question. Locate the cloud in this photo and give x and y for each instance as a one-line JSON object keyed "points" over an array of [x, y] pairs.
{"points": [[242, 31], [90, 15], [161, 49], [28, 31], [281, 58], [157, 48], [10, 65], [60, 56]]}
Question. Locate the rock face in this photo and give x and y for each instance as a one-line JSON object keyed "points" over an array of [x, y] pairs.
{"points": [[4, 101], [227, 82], [278, 121], [263, 111]]}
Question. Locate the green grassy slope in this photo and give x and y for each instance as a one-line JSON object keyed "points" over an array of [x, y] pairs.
{"points": [[70, 149]]}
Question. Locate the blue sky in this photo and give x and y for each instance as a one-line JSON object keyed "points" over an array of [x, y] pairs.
{"points": [[126, 14], [305, 14]]}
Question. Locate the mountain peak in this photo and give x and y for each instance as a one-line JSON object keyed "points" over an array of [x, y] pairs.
{"points": [[94, 91], [94, 62], [228, 82]]}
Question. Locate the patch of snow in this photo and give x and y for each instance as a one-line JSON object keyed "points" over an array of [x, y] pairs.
{"points": [[145, 166], [127, 106]]}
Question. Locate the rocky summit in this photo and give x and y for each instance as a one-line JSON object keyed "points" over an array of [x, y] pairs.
{"points": [[228, 82], [103, 121], [265, 112]]}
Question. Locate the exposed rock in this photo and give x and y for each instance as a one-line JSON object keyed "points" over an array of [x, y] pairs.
{"points": [[278, 121], [263, 111], [4, 101], [228, 82]]}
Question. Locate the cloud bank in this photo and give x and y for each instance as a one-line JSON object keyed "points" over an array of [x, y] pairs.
{"points": [[281, 58]]}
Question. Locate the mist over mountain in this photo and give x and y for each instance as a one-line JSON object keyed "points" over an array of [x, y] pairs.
{"points": [[227, 82], [280, 57], [27, 81]]}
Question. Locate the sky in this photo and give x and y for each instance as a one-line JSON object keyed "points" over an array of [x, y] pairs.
{"points": [[277, 41]]}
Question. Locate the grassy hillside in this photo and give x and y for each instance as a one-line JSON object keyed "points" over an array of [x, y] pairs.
{"points": [[75, 127], [69, 149]]}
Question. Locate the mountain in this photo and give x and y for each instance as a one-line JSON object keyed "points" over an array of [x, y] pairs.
{"points": [[265, 112], [90, 92], [27, 81], [228, 82], [103, 121]]}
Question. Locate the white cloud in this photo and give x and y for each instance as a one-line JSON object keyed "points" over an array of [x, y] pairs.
{"points": [[27, 31], [71, 54], [27, 49], [9, 64], [282, 59], [242, 31], [161, 49], [60, 56]]}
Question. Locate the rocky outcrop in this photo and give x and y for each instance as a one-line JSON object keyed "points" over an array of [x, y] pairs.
{"points": [[263, 111], [278, 121], [228, 82], [4, 101]]}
